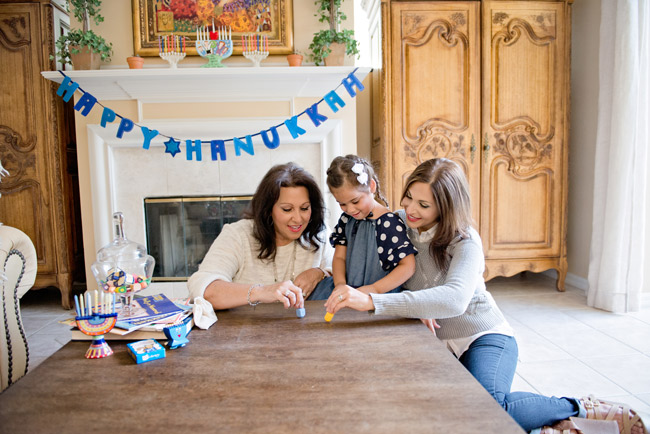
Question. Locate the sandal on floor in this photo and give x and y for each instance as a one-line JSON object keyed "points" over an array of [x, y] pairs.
{"points": [[629, 422], [577, 425]]}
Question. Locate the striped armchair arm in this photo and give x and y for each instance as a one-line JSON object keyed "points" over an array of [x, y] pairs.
{"points": [[18, 266]]}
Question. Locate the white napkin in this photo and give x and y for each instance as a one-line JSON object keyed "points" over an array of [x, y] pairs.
{"points": [[204, 315]]}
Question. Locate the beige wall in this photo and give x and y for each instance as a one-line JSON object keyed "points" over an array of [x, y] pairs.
{"points": [[582, 141]]}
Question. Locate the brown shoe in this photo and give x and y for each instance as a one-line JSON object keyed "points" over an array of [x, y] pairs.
{"points": [[629, 422]]}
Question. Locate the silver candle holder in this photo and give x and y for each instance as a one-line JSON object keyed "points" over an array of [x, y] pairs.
{"points": [[255, 48], [172, 58], [256, 56]]}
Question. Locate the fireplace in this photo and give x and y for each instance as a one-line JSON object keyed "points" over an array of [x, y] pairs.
{"points": [[180, 230]]}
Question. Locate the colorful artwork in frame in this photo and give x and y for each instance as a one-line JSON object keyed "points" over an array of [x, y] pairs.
{"points": [[154, 18]]}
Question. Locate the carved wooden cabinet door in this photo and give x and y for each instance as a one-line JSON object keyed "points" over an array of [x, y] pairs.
{"points": [[35, 196], [486, 84], [436, 89], [524, 108], [24, 131]]}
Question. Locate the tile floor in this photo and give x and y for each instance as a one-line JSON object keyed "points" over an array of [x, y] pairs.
{"points": [[566, 348]]}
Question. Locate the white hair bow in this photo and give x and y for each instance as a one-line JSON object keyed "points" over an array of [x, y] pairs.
{"points": [[362, 175]]}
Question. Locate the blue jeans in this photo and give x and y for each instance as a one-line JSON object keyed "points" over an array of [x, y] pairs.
{"points": [[492, 360], [323, 290]]}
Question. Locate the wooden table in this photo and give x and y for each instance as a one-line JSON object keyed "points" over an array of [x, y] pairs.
{"points": [[263, 370]]}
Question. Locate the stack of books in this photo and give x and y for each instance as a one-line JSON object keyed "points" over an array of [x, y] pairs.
{"points": [[147, 320]]}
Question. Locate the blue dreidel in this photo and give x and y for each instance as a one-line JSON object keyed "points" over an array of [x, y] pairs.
{"points": [[300, 312], [177, 333]]}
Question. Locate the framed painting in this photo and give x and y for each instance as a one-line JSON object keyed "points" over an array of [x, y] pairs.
{"points": [[272, 19]]}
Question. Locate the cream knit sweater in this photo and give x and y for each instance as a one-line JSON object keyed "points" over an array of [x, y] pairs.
{"points": [[233, 258]]}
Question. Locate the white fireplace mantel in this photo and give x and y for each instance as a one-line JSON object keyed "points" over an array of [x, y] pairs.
{"points": [[209, 84]]}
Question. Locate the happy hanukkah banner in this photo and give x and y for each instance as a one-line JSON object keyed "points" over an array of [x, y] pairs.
{"points": [[193, 147]]}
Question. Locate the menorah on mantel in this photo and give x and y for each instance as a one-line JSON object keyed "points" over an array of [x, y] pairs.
{"points": [[255, 48], [172, 49], [214, 45]]}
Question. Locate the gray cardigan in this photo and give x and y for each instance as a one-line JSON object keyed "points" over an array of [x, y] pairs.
{"points": [[458, 299]]}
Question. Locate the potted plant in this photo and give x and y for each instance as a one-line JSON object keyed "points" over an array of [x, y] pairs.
{"points": [[332, 42], [135, 62], [83, 48], [295, 59]]}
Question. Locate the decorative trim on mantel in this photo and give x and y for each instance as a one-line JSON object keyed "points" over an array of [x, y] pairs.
{"points": [[209, 85]]}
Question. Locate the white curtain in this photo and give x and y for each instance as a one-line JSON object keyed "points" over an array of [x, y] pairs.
{"points": [[616, 267]]}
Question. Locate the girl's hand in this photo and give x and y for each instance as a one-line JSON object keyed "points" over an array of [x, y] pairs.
{"points": [[431, 324], [285, 292], [347, 296], [307, 280]]}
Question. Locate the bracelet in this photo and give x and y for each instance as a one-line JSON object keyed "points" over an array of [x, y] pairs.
{"points": [[325, 273], [248, 297]]}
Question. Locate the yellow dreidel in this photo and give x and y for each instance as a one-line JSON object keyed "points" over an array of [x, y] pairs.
{"points": [[329, 316]]}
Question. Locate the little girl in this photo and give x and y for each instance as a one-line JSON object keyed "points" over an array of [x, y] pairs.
{"points": [[371, 250]]}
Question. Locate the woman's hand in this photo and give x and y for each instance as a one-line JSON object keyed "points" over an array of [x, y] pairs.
{"points": [[431, 324], [367, 289], [307, 280], [285, 292], [347, 296]]}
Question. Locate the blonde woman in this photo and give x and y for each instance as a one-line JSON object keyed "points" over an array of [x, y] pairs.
{"points": [[448, 287]]}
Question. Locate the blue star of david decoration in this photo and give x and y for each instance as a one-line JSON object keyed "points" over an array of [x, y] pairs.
{"points": [[172, 146]]}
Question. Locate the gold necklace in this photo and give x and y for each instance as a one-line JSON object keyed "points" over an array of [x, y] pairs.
{"points": [[291, 266]]}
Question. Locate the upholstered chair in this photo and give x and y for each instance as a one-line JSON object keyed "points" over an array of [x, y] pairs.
{"points": [[17, 274]]}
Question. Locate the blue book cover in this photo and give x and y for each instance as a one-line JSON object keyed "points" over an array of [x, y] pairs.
{"points": [[146, 310]]}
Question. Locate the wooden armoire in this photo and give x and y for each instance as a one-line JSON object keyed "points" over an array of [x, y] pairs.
{"points": [[486, 84], [40, 196]]}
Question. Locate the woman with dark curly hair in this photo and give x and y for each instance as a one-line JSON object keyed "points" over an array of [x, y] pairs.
{"points": [[277, 252]]}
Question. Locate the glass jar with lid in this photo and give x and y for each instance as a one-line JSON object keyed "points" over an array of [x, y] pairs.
{"points": [[123, 267]]}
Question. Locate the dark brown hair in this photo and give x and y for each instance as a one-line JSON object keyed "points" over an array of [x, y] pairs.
{"points": [[268, 191], [340, 172], [451, 195]]}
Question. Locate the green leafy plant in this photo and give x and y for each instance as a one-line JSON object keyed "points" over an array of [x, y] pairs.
{"points": [[330, 11], [75, 40]]}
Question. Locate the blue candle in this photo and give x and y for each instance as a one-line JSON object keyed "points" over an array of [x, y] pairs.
{"points": [[76, 303]]}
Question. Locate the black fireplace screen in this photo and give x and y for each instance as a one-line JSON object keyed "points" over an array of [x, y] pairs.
{"points": [[180, 230]]}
